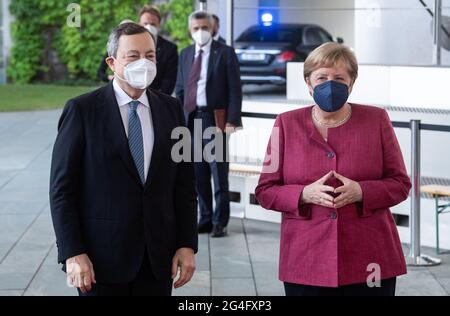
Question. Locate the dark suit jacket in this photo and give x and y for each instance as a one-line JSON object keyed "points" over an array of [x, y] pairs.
{"points": [[223, 86], [166, 64], [98, 204], [222, 40]]}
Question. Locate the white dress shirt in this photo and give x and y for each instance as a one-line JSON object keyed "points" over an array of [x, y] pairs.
{"points": [[201, 84], [145, 116]]}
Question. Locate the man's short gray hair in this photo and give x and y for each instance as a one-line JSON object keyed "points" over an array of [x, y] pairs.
{"points": [[200, 15], [126, 28]]}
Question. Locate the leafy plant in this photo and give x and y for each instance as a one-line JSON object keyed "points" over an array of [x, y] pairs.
{"points": [[41, 25], [176, 13]]}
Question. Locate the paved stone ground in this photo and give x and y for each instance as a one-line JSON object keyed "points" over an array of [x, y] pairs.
{"points": [[244, 263]]}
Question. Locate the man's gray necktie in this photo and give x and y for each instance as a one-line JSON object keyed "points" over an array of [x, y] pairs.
{"points": [[135, 139]]}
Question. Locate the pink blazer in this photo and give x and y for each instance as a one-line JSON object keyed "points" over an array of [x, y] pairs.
{"points": [[334, 247]]}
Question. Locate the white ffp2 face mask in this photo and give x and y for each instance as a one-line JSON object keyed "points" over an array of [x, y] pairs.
{"points": [[201, 37], [152, 29], [140, 73]]}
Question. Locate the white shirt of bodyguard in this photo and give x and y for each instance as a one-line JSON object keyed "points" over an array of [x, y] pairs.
{"points": [[201, 84], [145, 116]]}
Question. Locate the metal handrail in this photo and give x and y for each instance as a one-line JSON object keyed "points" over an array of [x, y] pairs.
{"points": [[305, 8], [396, 124], [431, 13], [415, 258]]}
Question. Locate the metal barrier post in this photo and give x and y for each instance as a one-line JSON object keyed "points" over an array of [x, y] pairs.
{"points": [[230, 23], [203, 5], [437, 32], [415, 258]]}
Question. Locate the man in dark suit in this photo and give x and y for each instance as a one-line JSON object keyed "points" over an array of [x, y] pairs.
{"points": [[216, 28], [166, 54], [124, 212], [208, 84]]}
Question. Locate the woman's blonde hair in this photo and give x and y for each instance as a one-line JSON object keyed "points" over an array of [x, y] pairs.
{"points": [[329, 55]]}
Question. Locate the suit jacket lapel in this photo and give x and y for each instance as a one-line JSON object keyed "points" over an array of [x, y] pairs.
{"points": [[114, 128], [212, 58], [314, 134], [159, 44], [157, 114], [190, 54]]}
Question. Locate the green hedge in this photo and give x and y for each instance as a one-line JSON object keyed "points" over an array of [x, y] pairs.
{"points": [[79, 49], [176, 15]]}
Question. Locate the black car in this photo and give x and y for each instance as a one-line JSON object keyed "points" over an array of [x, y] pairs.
{"points": [[264, 51]]}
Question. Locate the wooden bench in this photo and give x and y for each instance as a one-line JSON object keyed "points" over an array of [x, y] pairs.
{"points": [[243, 181], [243, 169], [438, 192]]}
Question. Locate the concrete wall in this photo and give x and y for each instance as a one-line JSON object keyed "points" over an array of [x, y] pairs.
{"points": [[380, 31], [336, 17], [245, 14], [419, 87], [387, 35]]}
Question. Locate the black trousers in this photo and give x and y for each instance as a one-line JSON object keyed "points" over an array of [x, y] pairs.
{"points": [[145, 284], [217, 166], [387, 289]]}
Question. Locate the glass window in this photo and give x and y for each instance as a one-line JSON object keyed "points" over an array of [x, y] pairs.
{"points": [[324, 36], [271, 34], [312, 37]]}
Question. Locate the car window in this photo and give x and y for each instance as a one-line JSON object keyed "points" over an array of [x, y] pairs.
{"points": [[312, 37], [271, 35], [324, 36]]}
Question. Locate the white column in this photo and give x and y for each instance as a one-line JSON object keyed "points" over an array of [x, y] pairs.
{"points": [[437, 32], [2, 50], [230, 22], [7, 19], [203, 6]]}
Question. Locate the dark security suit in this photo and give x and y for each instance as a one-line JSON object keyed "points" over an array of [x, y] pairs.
{"points": [[223, 91], [166, 64], [98, 203], [222, 40]]}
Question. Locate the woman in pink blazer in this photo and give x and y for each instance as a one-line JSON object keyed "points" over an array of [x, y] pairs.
{"points": [[334, 169]]}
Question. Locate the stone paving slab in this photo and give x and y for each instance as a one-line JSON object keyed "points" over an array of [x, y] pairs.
{"points": [[233, 287]]}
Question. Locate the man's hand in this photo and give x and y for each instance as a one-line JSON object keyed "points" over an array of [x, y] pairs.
{"points": [[350, 191], [80, 272], [317, 192], [185, 260]]}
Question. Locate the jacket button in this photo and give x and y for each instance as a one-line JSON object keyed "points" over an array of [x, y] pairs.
{"points": [[333, 215], [331, 155]]}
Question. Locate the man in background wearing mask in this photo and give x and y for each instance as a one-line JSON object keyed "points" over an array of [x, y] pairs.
{"points": [[166, 53], [209, 85], [124, 213], [216, 28]]}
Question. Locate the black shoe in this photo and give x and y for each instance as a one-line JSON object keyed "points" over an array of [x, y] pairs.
{"points": [[204, 228], [219, 231]]}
